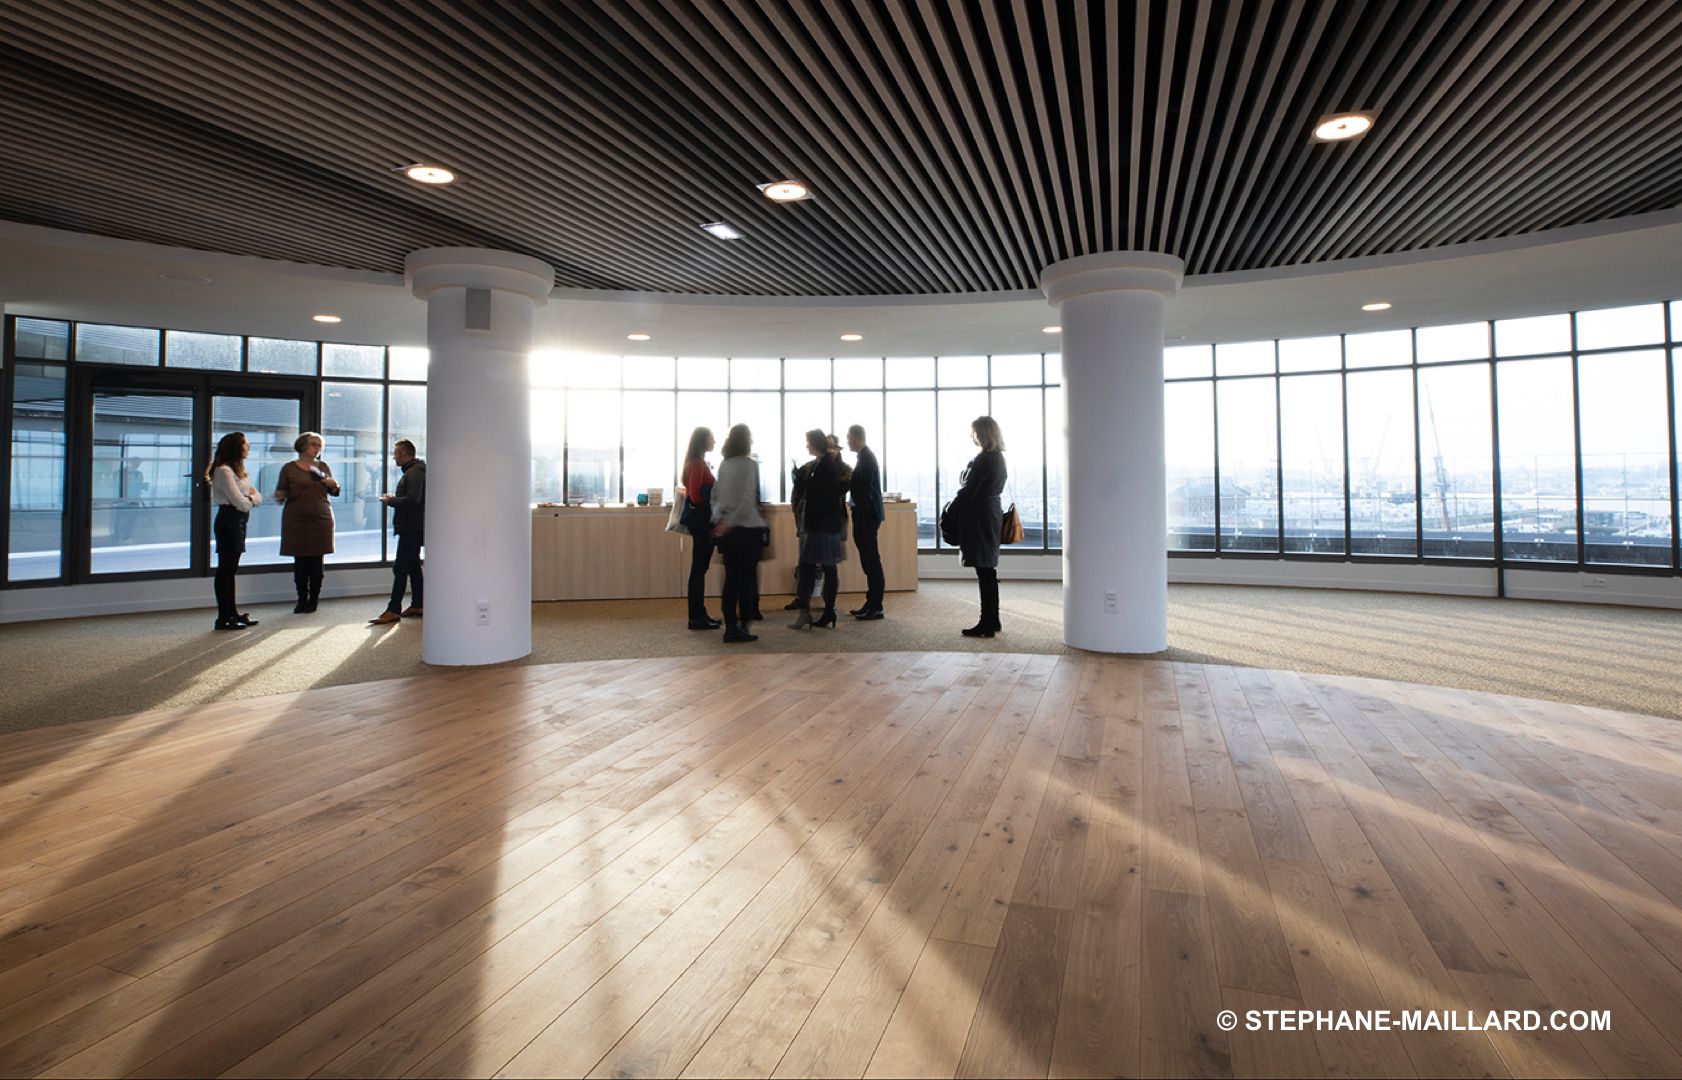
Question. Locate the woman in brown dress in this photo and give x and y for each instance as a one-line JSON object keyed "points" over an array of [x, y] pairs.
{"points": [[306, 525]]}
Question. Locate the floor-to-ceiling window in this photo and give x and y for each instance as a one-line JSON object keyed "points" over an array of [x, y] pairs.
{"points": [[110, 428]]}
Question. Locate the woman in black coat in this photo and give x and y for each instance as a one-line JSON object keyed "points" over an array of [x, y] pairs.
{"points": [[974, 519], [823, 526]]}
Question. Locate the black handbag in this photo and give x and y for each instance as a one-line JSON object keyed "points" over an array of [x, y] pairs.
{"points": [[948, 527]]}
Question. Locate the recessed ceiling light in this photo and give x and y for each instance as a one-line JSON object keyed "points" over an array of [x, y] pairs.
{"points": [[1338, 127], [1376, 305], [722, 231], [636, 337], [786, 191], [327, 318], [852, 337], [429, 174], [184, 278], [1051, 329]]}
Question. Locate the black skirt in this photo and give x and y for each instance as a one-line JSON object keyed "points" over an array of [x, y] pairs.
{"points": [[229, 530]]}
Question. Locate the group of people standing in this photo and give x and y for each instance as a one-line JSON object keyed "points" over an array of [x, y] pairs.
{"points": [[724, 513], [721, 513], [304, 488]]}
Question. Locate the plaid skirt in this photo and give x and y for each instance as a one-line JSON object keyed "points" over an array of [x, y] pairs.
{"points": [[823, 548]]}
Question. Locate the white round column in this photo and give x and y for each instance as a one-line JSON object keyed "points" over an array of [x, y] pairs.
{"points": [[480, 309], [1115, 500]]}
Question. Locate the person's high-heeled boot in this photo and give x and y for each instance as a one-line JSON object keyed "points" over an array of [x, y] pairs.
{"points": [[315, 592], [802, 621], [301, 582]]}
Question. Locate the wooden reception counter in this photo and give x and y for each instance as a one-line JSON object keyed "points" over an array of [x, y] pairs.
{"points": [[625, 553]]}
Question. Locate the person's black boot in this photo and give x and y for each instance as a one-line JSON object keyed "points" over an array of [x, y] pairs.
{"points": [[315, 592], [301, 582]]}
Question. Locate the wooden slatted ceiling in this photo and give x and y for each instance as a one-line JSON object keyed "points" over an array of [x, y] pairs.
{"points": [[953, 145]]}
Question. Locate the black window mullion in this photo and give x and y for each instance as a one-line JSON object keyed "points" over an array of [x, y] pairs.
{"points": [[1215, 428], [1418, 457], [8, 351], [1348, 490], [1670, 402], [1279, 450], [1499, 525], [1577, 441]]}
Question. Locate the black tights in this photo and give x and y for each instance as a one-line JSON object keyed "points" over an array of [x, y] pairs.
{"points": [[307, 574], [809, 578], [987, 577]]}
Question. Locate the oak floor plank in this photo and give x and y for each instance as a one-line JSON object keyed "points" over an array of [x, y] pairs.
{"points": [[931, 1023], [680, 1023], [1015, 1021], [975, 910], [999, 864], [511, 1023], [752, 1037]]}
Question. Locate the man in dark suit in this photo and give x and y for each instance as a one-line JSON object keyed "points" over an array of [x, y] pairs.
{"points": [[408, 521], [866, 490]]}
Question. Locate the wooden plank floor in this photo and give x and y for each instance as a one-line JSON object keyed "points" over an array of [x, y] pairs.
{"points": [[877, 865]]}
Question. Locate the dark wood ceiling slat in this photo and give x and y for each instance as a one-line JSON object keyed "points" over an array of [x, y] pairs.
{"points": [[953, 145], [965, 131], [1466, 74], [1059, 176], [1513, 145], [1421, 84], [788, 64], [1197, 181], [867, 85], [1272, 138]]}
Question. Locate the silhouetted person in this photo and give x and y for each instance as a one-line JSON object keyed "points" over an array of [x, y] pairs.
{"points": [[824, 518], [866, 491], [974, 520], [697, 518], [739, 528], [408, 521]]}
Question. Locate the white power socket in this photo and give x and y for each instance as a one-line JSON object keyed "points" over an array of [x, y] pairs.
{"points": [[484, 613], [1112, 603]]}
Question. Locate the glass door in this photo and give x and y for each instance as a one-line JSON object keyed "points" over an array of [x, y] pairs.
{"points": [[270, 423], [141, 484]]}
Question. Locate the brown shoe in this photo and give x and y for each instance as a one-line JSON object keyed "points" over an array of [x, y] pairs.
{"points": [[412, 613], [386, 619]]}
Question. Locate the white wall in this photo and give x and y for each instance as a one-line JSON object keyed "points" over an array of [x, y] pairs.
{"points": [[23, 605], [174, 594]]}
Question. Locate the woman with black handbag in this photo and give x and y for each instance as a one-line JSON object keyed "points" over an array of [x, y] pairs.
{"points": [[697, 519], [741, 532], [974, 520]]}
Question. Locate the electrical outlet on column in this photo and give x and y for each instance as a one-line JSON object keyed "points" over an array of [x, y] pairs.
{"points": [[1112, 604]]}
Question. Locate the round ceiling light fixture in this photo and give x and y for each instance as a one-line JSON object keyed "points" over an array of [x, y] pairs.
{"points": [[1051, 329], [183, 278], [1341, 127], [852, 337], [1376, 305], [636, 337], [785, 191], [326, 318], [429, 174]]}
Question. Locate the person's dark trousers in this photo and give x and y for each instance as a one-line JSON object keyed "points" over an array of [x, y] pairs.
{"points": [[870, 559], [227, 568], [988, 578], [740, 548], [701, 556], [406, 570], [229, 528]]}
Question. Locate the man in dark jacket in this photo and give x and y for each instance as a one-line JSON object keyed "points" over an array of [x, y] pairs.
{"points": [[408, 521], [866, 491]]}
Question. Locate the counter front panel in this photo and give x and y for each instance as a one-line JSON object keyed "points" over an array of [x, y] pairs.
{"points": [[625, 553]]}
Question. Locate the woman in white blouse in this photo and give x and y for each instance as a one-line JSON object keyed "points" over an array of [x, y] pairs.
{"points": [[233, 496], [740, 529]]}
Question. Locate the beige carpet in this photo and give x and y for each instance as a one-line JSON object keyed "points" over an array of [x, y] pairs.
{"points": [[1620, 658]]}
